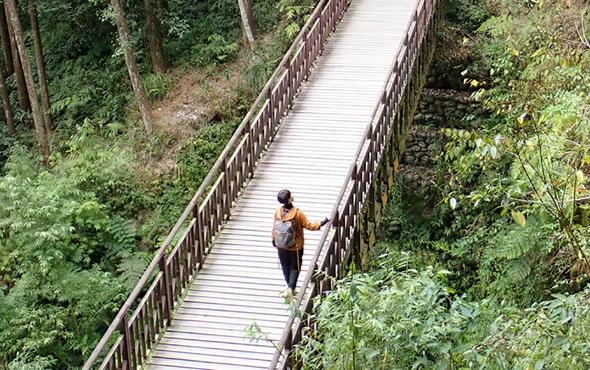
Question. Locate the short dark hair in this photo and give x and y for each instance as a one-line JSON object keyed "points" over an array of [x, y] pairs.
{"points": [[283, 196]]}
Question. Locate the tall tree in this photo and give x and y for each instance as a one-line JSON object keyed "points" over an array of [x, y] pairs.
{"points": [[21, 85], [28, 73], [40, 61], [138, 88], [6, 102], [6, 43], [247, 15], [154, 34]]}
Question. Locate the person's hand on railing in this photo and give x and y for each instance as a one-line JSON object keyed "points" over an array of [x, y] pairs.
{"points": [[325, 221]]}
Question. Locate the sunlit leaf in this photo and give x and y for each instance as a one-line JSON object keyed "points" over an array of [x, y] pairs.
{"points": [[453, 203], [519, 218]]}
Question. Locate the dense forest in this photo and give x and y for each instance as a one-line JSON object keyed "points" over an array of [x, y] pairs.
{"points": [[113, 113], [485, 263], [115, 110]]}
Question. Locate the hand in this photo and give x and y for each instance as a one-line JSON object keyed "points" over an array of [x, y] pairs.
{"points": [[324, 221]]}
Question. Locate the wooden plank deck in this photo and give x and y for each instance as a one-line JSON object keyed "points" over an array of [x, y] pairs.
{"points": [[241, 279]]}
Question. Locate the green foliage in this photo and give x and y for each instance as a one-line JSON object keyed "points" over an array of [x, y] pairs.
{"points": [[216, 50], [25, 362], [60, 318], [6, 142], [388, 320], [60, 251], [549, 335], [172, 194], [206, 32], [468, 14], [294, 13], [157, 85], [107, 170], [88, 90]]}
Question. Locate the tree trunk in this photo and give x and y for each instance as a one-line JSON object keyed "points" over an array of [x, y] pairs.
{"points": [[6, 44], [6, 103], [138, 88], [21, 85], [154, 34], [46, 103], [163, 5], [247, 15], [28, 72]]}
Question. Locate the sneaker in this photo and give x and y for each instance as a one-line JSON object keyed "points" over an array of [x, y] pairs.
{"points": [[287, 293]]}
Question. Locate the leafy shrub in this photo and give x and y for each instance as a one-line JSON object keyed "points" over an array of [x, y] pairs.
{"points": [[6, 142], [401, 320], [157, 85], [106, 170], [59, 283], [217, 49], [549, 335]]}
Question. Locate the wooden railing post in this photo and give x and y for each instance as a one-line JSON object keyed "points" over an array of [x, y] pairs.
{"points": [[335, 15], [252, 154], [228, 198], [269, 124], [199, 250], [127, 357], [167, 285], [288, 352], [337, 246]]}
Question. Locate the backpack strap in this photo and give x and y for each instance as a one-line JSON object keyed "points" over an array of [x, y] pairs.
{"points": [[280, 213]]}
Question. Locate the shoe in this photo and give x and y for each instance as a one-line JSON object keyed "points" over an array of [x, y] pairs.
{"points": [[287, 293]]}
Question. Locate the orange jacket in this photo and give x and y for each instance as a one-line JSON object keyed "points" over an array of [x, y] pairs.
{"points": [[300, 222]]}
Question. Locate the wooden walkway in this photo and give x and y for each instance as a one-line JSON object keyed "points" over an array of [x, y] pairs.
{"points": [[241, 280]]}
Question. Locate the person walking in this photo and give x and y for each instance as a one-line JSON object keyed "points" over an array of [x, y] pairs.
{"points": [[288, 239]]}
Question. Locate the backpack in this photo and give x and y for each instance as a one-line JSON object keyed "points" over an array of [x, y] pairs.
{"points": [[284, 234]]}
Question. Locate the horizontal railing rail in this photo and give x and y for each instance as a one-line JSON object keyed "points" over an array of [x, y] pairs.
{"points": [[148, 309], [335, 244]]}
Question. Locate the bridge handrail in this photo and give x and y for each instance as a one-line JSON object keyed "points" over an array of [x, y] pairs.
{"points": [[346, 211], [128, 340]]}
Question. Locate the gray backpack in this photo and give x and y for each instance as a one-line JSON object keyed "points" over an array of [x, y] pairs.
{"points": [[284, 234]]}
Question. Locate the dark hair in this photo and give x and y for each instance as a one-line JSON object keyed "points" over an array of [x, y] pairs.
{"points": [[283, 196]]}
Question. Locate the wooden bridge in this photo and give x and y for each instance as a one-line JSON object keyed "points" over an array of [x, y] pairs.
{"points": [[328, 125]]}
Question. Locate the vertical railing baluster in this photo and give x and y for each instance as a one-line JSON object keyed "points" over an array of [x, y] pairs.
{"points": [[227, 196], [199, 239], [166, 285], [127, 356], [337, 246]]}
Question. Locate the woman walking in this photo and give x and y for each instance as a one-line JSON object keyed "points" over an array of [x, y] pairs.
{"points": [[287, 237]]}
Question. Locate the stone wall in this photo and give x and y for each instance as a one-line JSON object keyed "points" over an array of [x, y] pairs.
{"points": [[423, 145], [437, 109], [446, 108]]}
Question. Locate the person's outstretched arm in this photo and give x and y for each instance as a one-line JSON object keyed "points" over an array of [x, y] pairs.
{"points": [[306, 224]]}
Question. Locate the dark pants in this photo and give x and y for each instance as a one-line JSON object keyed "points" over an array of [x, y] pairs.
{"points": [[291, 265]]}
